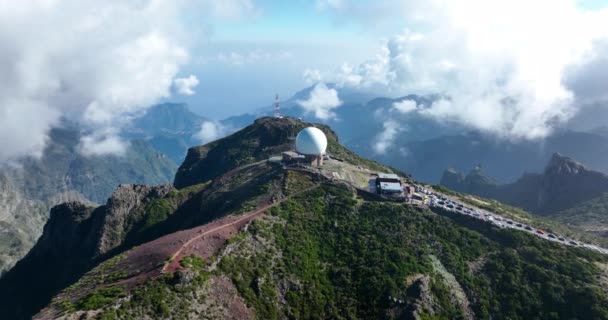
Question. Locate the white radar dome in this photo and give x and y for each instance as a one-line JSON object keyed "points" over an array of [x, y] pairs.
{"points": [[311, 141]]}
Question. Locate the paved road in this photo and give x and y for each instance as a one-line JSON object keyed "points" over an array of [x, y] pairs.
{"points": [[450, 204]]}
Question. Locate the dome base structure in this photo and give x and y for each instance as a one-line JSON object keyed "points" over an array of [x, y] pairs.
{"points": [[315, 161]]}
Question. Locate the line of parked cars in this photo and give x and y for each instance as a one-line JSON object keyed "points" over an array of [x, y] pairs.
{"points": [[440, 201]]}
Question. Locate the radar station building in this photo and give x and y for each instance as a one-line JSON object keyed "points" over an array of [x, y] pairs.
{"points": [[311, 143], [389, 184]]}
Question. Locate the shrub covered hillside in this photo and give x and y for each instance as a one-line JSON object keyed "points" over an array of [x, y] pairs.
{"points": [[332, 253]]}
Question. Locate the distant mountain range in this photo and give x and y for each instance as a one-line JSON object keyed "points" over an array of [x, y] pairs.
{"points": [[29, 189], [169, 127], [424, 147], [566, 190]]}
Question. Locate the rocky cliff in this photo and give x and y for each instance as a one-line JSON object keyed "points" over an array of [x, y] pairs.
{"points": [[75, 237], [30, 189]]}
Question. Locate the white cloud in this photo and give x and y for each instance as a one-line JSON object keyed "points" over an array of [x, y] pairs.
{"points": [[210, 131], [94, 62], [312, 76], [230, 9], [101, 143], [251, 57], [386, 138], [501, 68], [405, 106], [185, 86], [321, 102]]}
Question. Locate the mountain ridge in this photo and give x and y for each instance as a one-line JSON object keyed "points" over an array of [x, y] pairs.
{"points": [[321, 247], [29, 190]]}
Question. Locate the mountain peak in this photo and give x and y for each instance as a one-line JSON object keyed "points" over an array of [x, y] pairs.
{"points": [[560, 164]]}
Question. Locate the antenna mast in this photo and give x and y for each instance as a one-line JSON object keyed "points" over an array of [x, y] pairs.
{"points": [[277, 109]]}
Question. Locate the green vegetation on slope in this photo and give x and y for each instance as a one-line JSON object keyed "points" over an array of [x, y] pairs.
{"points": [[564, 223], [341, 260], [591, 215], [329, 254]]}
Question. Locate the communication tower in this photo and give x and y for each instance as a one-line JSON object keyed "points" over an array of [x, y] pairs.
{"points": [[277, 108]]}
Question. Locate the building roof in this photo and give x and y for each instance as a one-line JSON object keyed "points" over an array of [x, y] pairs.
{"points": [[388, 176], [390, 186]]}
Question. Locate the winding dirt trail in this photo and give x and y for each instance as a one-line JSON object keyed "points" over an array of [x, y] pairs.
{"points": [[176, 257]]}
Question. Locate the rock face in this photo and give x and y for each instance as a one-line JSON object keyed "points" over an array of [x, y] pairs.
{"points": [[116, 215], [475, 182], [28, 191], [563, 184], [453, 179], [70, 232], [74, 238]]}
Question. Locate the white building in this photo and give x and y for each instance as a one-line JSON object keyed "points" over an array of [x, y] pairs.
{"points": [[312, 143]]}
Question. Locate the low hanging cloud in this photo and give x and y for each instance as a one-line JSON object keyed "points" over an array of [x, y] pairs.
{"points": [[405, 106], [495, 65], [102, 143], [185, 86], [385, 139], [92, 62], [321, 102], [211, 131]]}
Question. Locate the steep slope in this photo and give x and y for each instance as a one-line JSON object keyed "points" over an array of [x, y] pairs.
{"points": [[28, 191], [563, 184], [566, 190], [263, 240], [77, 236], [333, 252], [475, 182]]}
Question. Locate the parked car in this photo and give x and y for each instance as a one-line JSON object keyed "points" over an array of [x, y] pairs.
{"points": [[540, 231]]}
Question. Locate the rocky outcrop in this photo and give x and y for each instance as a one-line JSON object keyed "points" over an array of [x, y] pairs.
{"points": [[117, 220], [453, 180], [68, 233], [563, 184], [75, 238], [475, 182], [28, 191]]}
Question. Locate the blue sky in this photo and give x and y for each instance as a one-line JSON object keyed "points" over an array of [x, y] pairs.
{"points": [[65, 60], [244, 61], [295, 35]]}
